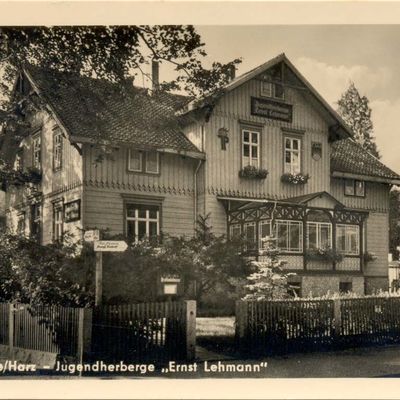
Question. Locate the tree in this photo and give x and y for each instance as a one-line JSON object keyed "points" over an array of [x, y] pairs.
{"points": [[114, 53], [394, 222], [355, 111], [269, 281]]}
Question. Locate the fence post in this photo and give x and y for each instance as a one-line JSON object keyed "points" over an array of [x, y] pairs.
{"points": [[241, 320], [84, 333], [337, 314], [11, 316], [190, 329]]}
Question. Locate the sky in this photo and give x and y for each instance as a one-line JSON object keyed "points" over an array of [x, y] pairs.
{"points": [[329, 56]]}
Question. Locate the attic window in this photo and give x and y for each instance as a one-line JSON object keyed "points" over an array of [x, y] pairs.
{"points": [[275, 90]]}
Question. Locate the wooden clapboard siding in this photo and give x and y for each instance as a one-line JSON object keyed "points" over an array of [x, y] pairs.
{"points": [[104, 209], [376, 196], [223, 166], [176, 172], [377, 241]]}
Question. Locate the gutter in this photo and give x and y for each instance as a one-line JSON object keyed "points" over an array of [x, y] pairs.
{"points": [[338, 174], [195, 202]]}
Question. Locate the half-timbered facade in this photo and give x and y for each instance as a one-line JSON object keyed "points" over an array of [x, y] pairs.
{"points": [[265, 156]]}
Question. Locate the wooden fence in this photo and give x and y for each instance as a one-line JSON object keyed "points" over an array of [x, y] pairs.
{"points": [[269, 327], [152, 332], [149, 332]]}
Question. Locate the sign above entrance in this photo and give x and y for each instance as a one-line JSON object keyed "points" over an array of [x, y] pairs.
{"points": [[110, 245], [271, 109]]}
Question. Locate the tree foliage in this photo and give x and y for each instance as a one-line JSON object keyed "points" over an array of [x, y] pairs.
{"points": [[355, 111], [52, 274], [269, 281], [394, 222]]}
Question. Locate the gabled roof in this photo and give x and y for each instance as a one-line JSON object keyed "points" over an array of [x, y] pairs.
{"points": [[339, 126], [95, 110], [348, 158], [307, 198]]}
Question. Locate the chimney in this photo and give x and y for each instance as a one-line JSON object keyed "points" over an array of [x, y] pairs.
{"points": [[232, 72], [155, 75]]}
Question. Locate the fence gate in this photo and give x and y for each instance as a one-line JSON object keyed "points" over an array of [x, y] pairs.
{"points": [[148, 332]]}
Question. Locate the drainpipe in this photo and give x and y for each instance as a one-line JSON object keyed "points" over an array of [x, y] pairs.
{"points": [[195, 191]]}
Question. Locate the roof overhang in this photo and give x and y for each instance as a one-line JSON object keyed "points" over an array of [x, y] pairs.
{"points": [[184, 153], [348, 175]]}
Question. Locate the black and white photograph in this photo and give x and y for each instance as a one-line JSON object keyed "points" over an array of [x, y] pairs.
{"points": [[196, 201]]}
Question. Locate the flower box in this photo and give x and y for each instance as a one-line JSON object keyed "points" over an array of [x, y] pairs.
{"points": [[251, 172], [295, 179], [368, 257], [324, 255]]}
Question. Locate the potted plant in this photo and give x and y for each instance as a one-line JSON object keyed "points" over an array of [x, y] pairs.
{"points": [[295, 179], [252, 172], [368, 257]]}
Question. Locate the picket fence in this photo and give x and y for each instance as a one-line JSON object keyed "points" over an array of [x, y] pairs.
{"points": [[278, 327], [139, 332]]}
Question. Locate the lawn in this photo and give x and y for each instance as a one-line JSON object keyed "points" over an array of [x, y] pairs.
{"points": [[216, 326]]}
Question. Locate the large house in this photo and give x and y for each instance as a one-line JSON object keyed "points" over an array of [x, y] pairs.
{"points": [[266, 155]]}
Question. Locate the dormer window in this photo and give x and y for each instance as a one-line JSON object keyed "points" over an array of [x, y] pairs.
{"points": [[143, 161]]}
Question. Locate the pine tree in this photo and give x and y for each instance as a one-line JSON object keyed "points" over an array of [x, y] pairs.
{"points": [[355, 111], [269, 280]]}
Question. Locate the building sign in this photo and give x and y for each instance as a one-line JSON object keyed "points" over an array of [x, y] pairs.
{"points": [[72, 211], [271, 109], [110, 245]]}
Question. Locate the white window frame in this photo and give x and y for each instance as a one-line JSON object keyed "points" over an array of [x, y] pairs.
{"points": [[288, 223], [136, 219], [261, 244], [158, 163], [21, 224], [268, 89], [347, 228], [58, 224], [233, 228], [57, 150], [352, 183], [130, 168], [249, 160], [245, 226], [37, 151], [319, 225], [36, 220], [290, 167], [18, 163]]}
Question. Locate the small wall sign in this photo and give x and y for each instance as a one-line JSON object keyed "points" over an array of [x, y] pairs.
{"points": [[271, 109], [316, 151], [72, 211]]}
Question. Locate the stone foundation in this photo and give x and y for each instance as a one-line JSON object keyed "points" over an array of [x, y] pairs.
{"points": [[315, 286], [374, 284]]}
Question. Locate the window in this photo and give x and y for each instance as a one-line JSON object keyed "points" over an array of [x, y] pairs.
{"points": [[345, 287], [35, 221], [58, 221], [250, 235], [292, 155], [21, 224], [290, 236], [142, 221], [348, 239], [250, 148], [264, 229], [37, 157], [143, 161], [353, 187], [269, 89], [234, 231], [319, 235], [57, 151]]}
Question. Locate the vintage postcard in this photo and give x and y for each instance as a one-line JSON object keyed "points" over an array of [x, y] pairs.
{"points": [[187, 201]]}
